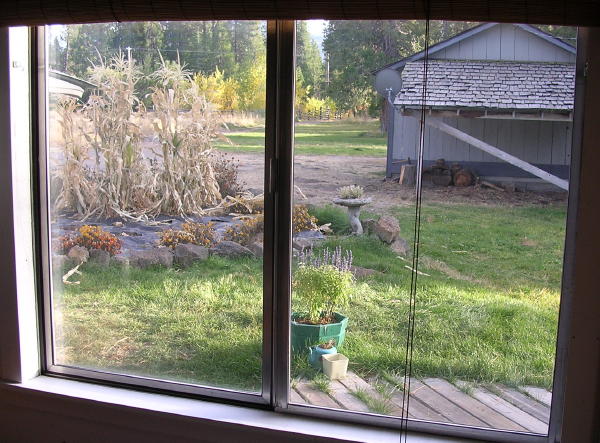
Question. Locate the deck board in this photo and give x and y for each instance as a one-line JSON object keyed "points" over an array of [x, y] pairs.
{"points": [[510, 411], [539, 394], [525, 409], [440, 403], [472, 405], [344, 397], [314, 396], [527, 404]]}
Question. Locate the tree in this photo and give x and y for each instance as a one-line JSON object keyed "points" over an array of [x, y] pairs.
{"points": [[357, 48], [308, 60]]}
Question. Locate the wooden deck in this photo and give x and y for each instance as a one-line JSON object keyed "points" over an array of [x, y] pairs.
{"points": [[524, 409]]}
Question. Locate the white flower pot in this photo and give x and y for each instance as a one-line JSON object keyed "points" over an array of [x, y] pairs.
{"points": [[335, 366]]}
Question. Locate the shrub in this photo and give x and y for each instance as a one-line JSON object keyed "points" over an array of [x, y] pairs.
{"points": [[302, 220], [352, 191], [336, 217], [172, 238], [203, 234], [320, 290], [91, 237], [194, 233], [226, 173], [245, 232]]}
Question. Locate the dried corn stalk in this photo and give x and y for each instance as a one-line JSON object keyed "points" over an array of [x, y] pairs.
{"points": [[187, 181]]}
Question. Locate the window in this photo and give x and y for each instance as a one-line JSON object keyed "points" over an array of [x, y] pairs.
{"points": [[159, 374]]}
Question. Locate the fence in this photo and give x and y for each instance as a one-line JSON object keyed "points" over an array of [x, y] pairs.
{"points": [[321, 114]]}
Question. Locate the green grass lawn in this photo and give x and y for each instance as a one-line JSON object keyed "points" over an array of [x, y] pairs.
{"points": [[338, 137], [487, 311]]}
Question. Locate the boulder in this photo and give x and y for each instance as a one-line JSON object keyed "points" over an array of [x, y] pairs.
{"points": [[300, 243], [387, 229], [230, 249], [99, 257], [257, 249], [78, 254], [152, 257], [369, 225], [59, 262], [186, 254], [121, 260], [400, 247], [362, 272]]}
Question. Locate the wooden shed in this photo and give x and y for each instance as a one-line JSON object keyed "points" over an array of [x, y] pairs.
{"points": [[498, 99]]}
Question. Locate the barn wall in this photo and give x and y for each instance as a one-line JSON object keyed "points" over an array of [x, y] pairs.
{"points": [[537, 142], [505, 42]]}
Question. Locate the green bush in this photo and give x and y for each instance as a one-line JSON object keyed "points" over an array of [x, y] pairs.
{"points": [[338, 218], [320, 290]]}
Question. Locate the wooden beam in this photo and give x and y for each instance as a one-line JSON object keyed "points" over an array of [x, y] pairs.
{"points": [[494, 114], [492, 150]]}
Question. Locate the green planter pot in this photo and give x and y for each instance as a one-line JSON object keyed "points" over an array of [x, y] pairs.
{"points": [[304, 336]]}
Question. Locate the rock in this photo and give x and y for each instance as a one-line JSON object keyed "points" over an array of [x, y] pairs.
{"points": [[369, 225], [121, 260], [186, 254], [152, 257], [230, 249], [387, 229], [99, 257], [79, 254], [59, 262], [400, 247], [257, 249], [118, 224], [302, 243], [362, 272], [313, 235]]}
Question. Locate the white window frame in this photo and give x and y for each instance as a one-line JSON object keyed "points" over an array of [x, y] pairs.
{"points": [[20, 361]]}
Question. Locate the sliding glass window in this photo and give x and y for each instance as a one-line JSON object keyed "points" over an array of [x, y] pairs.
{"points": [[412, 221], [154, 197], [461, 131]]}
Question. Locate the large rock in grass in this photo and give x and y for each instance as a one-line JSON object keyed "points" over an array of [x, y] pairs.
{"points": [[78, 254], [230, 249], [400, 247], [387, 229], [186, 254], [152, 257], [99, 257], [257, 249]]}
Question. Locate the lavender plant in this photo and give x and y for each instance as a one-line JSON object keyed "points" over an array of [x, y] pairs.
{"points": [[338, 258]]}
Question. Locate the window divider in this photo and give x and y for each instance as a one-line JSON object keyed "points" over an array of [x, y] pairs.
{"points": [[279, 140]]}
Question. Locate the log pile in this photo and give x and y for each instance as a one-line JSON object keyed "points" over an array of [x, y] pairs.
{"points": [[443, 175]]}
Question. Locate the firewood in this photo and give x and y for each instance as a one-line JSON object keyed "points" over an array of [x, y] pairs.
{"points": [[491, 185], [463, 177]]}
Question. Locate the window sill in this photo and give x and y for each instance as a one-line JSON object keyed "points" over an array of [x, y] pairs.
{"points": [[142, 411]]}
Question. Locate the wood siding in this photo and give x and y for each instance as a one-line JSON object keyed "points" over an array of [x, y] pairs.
{"points": [[537, 142], [505, 42]]}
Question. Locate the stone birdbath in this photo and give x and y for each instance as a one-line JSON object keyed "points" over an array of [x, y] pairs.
{"points": [[353, 205]]}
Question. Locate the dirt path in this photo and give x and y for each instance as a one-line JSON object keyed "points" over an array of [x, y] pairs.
{"points": [[319, 176]]}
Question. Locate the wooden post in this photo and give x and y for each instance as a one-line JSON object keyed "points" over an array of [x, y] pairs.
{"points": [[407, 174]]}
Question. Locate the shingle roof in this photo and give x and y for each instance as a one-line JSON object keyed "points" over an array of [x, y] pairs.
{"points": [[466, 84]]}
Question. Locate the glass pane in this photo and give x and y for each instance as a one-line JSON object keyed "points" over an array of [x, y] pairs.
{"points": [[353, 230], [155, 174], [491, 229]]}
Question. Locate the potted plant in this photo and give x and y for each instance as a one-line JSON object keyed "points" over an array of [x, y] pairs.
{"points": [[321, 285], [335, 366], [317, 352]]}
